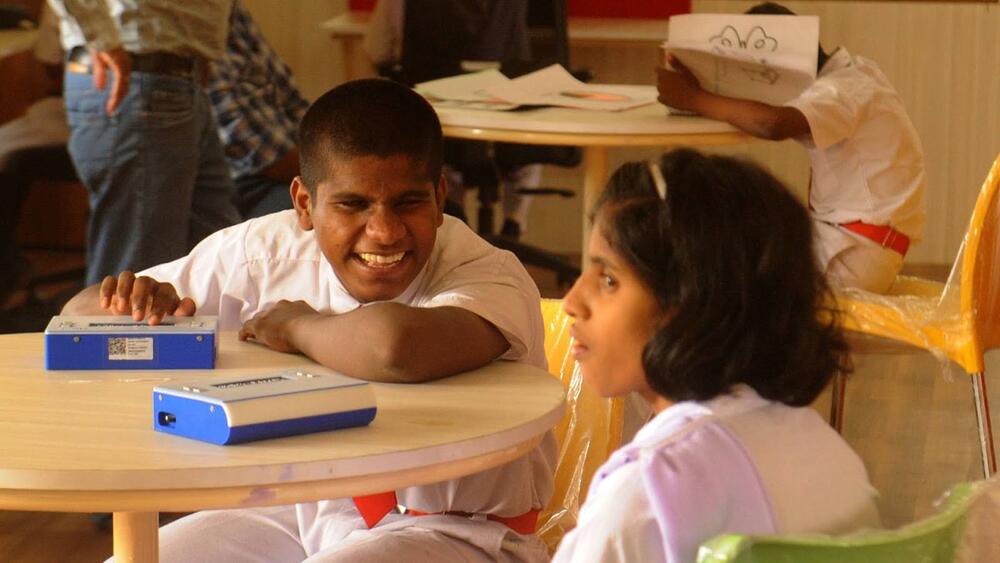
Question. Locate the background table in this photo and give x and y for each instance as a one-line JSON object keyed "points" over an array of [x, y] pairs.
{"points": [[347, 30], [84, 441], [595, 131]]}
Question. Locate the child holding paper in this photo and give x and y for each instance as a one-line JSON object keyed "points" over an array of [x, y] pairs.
{"points": [[867, 188], [696, 302]]}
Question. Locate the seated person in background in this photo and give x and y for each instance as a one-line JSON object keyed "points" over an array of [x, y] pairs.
{"points": [[867, 187], [472, 21], [693, 299], [258, 107], [367, 277], [32, 148]]}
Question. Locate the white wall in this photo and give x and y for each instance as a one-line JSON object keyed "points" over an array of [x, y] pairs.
{"points": [[944, 58], [292, 28]]}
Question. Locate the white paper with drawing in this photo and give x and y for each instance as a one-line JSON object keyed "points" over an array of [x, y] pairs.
{"points": [[766, 58], [550, 86]]}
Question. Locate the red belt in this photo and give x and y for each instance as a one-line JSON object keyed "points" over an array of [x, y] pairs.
{"points": [[884, 235], [373, 509]]}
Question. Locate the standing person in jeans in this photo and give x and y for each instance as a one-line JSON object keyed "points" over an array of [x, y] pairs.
{"points": [[259, 108], [146, 144]]}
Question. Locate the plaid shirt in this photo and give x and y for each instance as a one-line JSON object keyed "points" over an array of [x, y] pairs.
{"points": [[255, 99]]}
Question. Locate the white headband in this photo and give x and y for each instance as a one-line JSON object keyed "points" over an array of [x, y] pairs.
{"points": [[657, 175]]}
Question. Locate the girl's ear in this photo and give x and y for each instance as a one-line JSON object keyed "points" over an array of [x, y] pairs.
{"points": [[302, 200]]}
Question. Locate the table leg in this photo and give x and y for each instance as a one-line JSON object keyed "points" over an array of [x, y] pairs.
{"points": [[349, 49], [136, 537], [595, 174]]}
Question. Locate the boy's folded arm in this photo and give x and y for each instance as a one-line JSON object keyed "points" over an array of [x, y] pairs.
{"points": [[774, 123], [680, 89], [391, 342]]}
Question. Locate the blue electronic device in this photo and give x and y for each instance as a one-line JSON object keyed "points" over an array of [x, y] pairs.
{"points": [[113, 343], [256, 407]]}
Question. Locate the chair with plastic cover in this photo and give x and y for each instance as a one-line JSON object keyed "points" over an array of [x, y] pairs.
{"points": [[588, 434], [958, 320], [935, 539]]}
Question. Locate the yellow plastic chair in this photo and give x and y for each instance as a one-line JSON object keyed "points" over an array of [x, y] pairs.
{"points": [[959, 320], [935, 539], [587, 435]]}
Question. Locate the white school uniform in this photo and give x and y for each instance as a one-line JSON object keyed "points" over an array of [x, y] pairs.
{"points": [[867, 165], [244, 269], [737, 463]]}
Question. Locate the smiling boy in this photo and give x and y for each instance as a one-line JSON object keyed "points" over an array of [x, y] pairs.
{"points": [[368, 277]]}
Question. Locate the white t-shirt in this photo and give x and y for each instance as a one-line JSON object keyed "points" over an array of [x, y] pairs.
{"points": [[738, 464], [247, 268], [866, 156]]}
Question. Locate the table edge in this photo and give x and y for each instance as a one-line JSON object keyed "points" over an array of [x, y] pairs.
{"points": [[266, 494]]}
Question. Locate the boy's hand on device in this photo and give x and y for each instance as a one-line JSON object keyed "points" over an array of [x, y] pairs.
{"points": [[143, 297], [677, 87], [273, 327]]}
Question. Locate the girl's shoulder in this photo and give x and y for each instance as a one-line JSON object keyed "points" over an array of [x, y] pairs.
{"points": [[685, 439], [678, 471]]}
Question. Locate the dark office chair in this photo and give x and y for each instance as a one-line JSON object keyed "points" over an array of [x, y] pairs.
{"points": [[523, 36], [21, 171]]}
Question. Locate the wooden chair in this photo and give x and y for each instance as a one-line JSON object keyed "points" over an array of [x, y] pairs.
{"points": [[932, 540], [959, 320], [587, 435]]}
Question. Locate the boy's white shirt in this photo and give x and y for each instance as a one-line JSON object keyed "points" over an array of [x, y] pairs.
{"points": [[866, 157], [244, 269], [737, 463]]}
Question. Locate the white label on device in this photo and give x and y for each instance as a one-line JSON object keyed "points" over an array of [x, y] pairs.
{"points": [[130, 348]]}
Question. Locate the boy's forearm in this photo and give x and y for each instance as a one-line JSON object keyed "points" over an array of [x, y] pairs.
{"points": [[394, 343], [761, 120]]}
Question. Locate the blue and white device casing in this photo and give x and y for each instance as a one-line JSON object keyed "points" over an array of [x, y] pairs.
{"points": [[242, 409], [119, 342]]}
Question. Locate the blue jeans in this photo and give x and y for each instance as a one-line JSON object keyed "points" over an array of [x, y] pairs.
{"points": [[155, 170]]}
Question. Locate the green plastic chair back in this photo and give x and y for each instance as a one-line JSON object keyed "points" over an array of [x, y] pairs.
{"points": [[931, 540]]}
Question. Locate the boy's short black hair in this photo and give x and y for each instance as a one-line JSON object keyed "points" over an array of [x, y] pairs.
{"points": [[729, 257], [370, 117], [772, 8], [775, 9]]}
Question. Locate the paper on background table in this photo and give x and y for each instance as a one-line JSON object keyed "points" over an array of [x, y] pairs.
{"points": [[766, 58], [555, 86], [550, 86], [466, 90]]}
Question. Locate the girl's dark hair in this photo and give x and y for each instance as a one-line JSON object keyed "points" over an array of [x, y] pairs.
{"points": [[729, 257]]}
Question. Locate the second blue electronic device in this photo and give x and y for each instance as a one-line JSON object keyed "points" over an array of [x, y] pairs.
{"points": [[246, 408]]}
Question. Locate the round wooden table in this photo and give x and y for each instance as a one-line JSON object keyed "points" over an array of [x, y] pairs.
{"points": [[595, 131], [83, 441]]}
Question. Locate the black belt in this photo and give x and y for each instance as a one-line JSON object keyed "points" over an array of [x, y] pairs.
{"points": [[155, 63]]}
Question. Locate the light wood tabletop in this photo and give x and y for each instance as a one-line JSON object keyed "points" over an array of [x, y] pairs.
{"points": [[83, 441], [596, 131]]}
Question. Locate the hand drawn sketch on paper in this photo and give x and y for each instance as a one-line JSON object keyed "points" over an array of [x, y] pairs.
{"points": [[760, 57], [757, 42]]}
